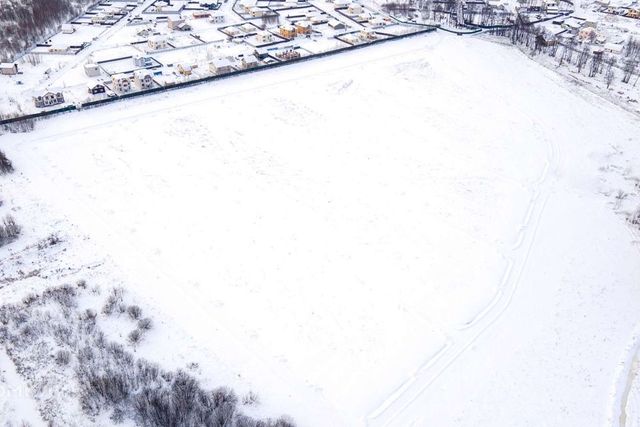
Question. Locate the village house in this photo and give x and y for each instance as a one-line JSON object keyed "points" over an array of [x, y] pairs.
{"points": [[178, 24], [551, 6], [232, 31], [613, 48], [185, 70], [221, 66], [143, 79], [354, 9], [201, 15], [8, 68], [247, 28], [67, 29], [217, 19], [48, 99], [91, 69], [367, 35], [256, 12], [340, 4], [143, 61], [121, 83], [377, 22], [264, 37], [288, 54], [287, 31], [157, 43], [303, 27], [249, 61], [336, 25], [96, 89], [587, 34]]}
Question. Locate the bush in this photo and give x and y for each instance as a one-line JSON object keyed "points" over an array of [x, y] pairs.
{"points": [[9, 230], [5, 164], [134, 312], [145, 324], [63, 357], [134, 337]]}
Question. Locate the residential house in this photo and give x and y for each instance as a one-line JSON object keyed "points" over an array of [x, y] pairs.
{"points": [[336, 25], [143, 61], [613, 48], [247, 28], [185, 70], [264, 37], [303, 27], [157, 43], [68, 29], [201, 15], [287, 31], [96, 89], [221, 66], [143, 79], [249, 61], [218, 18], [354, 9], [178, 24], [8, 68], [256, 12], [121, 83], [48, 99], [91, 69]]}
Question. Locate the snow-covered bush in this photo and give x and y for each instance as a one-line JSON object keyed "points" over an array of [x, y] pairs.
{"points": [[9, 230], [5, 164]]}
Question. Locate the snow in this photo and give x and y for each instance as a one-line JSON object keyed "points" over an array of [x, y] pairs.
{"points": [[408, 234]]}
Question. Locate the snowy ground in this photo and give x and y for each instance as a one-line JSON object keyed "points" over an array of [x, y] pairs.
{"points": [[417, 233]]}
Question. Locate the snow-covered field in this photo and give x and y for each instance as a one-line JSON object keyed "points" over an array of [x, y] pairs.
{"points": [[417, 233]]}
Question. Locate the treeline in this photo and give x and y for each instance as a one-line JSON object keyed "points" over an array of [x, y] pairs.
{"points": [[24, 22], [611, 67], [60, 348]]}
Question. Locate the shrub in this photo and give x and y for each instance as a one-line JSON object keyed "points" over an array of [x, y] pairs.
{"points": [[145, 324], [134, 337], [134, 312], [5, 164], [9, 230], [63, 357]]}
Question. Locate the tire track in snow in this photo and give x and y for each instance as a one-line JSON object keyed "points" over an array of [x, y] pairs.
{"points": [[461, 340]]}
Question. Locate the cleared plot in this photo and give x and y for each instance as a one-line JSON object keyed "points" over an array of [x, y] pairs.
{"points": [[340, 219]]}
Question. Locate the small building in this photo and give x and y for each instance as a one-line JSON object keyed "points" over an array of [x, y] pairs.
{"points": [[68, 29], [336, 25], [91, 69], [551, 6], [288, 54], [185, 70], [143, 61], [613, 48], [354, 9], [287, 31], [264, 37], [340, 4], [96, 89], [218, 18], [303, 27], [157, 43], [367, 35], [377, 22], [256, 12], [143, 79], [249, 61], [546, 39], [121, 83], [178, 24], [587, 34], [247, 28], [221, 66], [201, 14], [8, 68], [49, 99]]}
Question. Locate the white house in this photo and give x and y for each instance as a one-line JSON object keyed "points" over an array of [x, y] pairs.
{"points": [[68, 29], [48, 99], [218, 18], [121, 83], [354, 9], [143, 61], [613, 48], [221, 66], [143, 79], [264, 37], [157, 42], [249, 61], [336, 25], [91, 69], [8, 68]]}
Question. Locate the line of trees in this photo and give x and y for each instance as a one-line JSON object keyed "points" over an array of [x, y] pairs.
{"points": [[24, 22]]}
